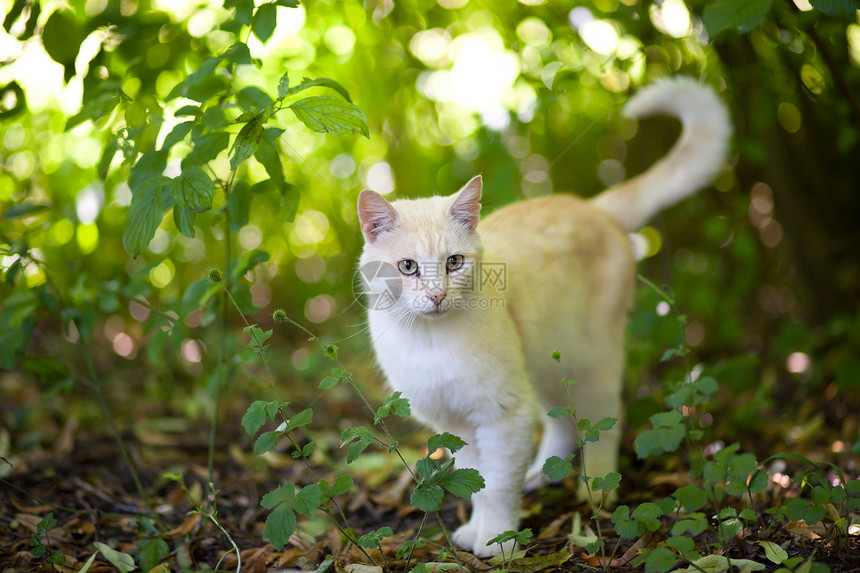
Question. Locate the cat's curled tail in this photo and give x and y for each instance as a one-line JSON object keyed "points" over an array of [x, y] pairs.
{"points": [[698, 155]]}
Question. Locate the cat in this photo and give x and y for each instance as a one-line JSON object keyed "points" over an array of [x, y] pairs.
{"points": [[467, 312]]}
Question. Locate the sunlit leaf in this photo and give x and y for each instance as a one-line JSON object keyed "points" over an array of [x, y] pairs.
{"points": [[264, 21], [246, 142], [193, 189], [330, 115], [144, 215]]}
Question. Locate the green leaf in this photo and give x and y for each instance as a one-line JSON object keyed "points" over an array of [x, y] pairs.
{"points": [[176, 135], [660, 560], [289, 206], [280, 525], [184, 220], [393, 404], [122, 561], [193, 189], [444, 440], [649, 514], [253, 99], [341, 485], [559, 412], [267, 155], [254, 417], [652, 442], [151, 552], [57, 557], [267, 442], [284, 86], [62, 37], [836, 6], [684, 546], [556, 468], [238, 53], [462, 482], [264, 21], [609, 483], [258, 337], [739, 15], [246, 142], [358, 439], [285, 493], [150, 166], [773, 552], [625, 527], [206, 148], [427, 498], [337, 376], [694, 523], [248, 261], [371, 539], [691, 497], [329, 115], [308, 499], [46, 524], [244, 10], [13, 14], [666, 419], [303, 418], [318, 82], [144, 215]]}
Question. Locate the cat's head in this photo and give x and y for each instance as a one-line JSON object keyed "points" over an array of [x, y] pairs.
{"points": [[421, 256]]}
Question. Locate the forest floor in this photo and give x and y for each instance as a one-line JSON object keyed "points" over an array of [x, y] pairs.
{"points": [[82, 480]]}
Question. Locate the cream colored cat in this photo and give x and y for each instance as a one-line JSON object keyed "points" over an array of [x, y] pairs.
{"points": [[466, 318]]}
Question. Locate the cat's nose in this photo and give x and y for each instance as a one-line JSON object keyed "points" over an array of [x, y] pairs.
{"points": [[437, 297]]}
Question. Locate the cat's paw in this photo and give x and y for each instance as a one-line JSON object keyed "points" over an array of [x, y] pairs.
{"points": [[465, 536]]}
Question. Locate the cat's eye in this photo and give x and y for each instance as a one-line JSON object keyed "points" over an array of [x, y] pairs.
{"points": [[454, 262], [407, 267]]}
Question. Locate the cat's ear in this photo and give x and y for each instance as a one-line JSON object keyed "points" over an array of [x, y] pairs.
{"points": [[375, 214], [466, 207]]}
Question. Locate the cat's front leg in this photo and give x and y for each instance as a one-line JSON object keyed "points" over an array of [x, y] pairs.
{"points": [[503, 453]]}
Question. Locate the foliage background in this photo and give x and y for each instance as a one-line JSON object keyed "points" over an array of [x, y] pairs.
{"points": [[526, 93]]}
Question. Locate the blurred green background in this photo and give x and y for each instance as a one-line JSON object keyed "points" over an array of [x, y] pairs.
{"points": [[764, 264]]}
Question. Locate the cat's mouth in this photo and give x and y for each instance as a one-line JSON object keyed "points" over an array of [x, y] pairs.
{"points": [[436, 311]]}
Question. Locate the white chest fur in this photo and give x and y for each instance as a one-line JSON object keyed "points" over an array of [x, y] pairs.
{"points": [[455, 370]]}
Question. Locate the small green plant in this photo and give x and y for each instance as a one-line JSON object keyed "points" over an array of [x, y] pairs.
{"points": [[722, 499], [40, 549], [520, 538], [557, 468]]}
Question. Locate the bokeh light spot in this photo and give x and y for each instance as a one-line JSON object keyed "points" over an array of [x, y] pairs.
{"points": [[124, 345], [320, 308], [161, 275], [798, 362]]}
